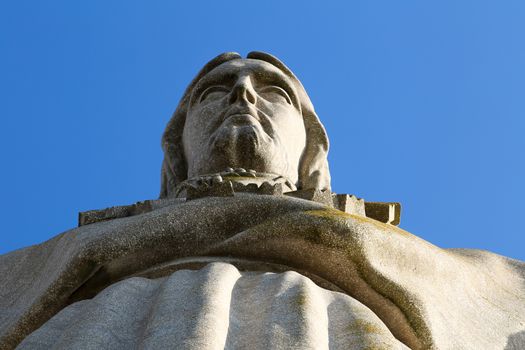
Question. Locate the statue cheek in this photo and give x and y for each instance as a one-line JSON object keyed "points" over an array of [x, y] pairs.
{"points": [[286, 115], [289, 124], [273, 111], [200, 118]]}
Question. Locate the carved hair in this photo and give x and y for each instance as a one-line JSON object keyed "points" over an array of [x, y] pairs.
{"points": [[313, 167]]}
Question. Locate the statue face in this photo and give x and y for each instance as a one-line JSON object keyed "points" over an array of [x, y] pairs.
{"points": [[245, 113]]}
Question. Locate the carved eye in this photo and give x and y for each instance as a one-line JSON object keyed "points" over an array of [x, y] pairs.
{"points": [[276, 94], [214, 93]]}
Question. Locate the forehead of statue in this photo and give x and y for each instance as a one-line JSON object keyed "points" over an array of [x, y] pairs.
{"points": [[260, 72]]}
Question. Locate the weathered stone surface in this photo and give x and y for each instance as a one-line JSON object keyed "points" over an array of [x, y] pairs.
{"points": [[248, 113], [426, 296], [314, 194], [92, 216], [243, 310], [389, 213], [122, 211], [226, 183], [123, 281], [221, 189], [349, 204]]}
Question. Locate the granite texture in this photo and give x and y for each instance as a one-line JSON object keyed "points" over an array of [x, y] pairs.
{"points": [[246, 200], [247, 113], [428, 298], [216, 307], [388, 213]]}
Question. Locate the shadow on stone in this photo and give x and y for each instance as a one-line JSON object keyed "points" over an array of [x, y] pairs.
{"points": [[516, 341]]}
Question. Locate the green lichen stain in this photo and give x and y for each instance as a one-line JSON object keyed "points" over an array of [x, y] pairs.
{"points": [[334, 214], [375, 347], [330, 213], [360, 326], [367, 333], [301, 300], [233, 178]]}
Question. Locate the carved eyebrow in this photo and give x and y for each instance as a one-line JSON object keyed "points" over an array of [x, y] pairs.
{"points": [[282, 92], [279, 80], [225, 80], [228, 79], [211, 89]]}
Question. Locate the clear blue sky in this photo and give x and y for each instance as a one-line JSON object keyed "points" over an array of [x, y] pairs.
{"points": [[424, 103]]}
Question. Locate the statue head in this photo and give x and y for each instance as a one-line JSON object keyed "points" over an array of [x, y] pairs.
{"points": [[250, 113]]}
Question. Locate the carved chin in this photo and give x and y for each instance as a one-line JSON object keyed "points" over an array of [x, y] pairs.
{"points": [[246, 146], [238, 140]]}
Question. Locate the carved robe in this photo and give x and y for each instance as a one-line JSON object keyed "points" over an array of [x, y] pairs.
{"points": [[258, 272]]}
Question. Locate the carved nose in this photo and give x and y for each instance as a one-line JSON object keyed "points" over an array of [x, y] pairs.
{"points": [[243, 91]]}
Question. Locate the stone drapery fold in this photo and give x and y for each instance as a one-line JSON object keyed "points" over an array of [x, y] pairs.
{"points": [[216, 307], [428, 298]]}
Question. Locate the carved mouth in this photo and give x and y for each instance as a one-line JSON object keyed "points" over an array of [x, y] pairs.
{"points": [[242, 119]]}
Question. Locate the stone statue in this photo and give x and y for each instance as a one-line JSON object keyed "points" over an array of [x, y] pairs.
{"points": [[248, 248], [252, 113]]}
